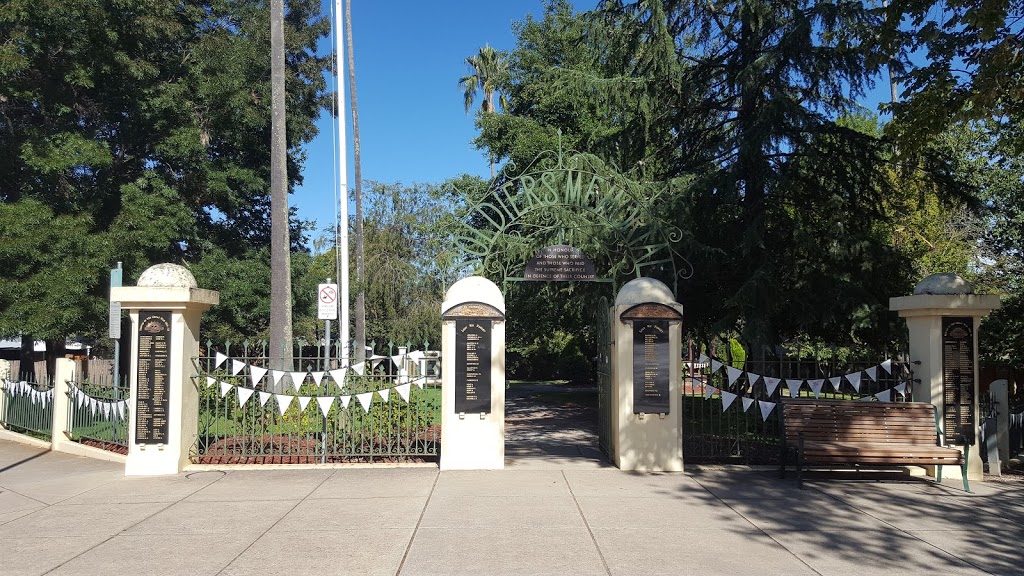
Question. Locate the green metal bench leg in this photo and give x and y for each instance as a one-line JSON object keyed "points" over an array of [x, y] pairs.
{"points": [[938, 474], [963, 467]]}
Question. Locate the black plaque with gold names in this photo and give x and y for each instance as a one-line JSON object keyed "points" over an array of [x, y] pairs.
{"points": [[651, 359], [472, 365], [153, 397], [958, 380]]}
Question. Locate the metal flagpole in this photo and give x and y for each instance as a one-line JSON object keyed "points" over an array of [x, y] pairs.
{"points": [[342, 247]]}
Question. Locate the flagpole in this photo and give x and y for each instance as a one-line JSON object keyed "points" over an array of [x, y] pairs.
{"points": [[342, 232]]}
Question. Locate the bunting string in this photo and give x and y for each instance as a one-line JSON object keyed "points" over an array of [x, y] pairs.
{"points": [[793, 385]]}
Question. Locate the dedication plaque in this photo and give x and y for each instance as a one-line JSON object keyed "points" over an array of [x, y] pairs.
{"points": [[472, 365], [651, 358], [958, 379], [560, 262], [152, 399]]}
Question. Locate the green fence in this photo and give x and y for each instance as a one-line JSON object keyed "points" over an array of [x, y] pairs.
{"points": [[98, 414], [28, 406], [385, 410]]}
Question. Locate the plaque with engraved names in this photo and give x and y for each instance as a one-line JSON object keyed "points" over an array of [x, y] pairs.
{"points": [[651, 359], [153, 396], [472, 365], [958, 380]]}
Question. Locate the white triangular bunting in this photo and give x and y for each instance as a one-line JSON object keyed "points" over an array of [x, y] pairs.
{"points": [[419, 381], [338, 376], [702, 359], [747, 403], [816, 386], [297, 379], [359, 368], [325, 403], [770, 384], [872, 373], [275, 376], [727, 399], [256, 374], [884, 395], [236, 367], [283, 402], [766, 408], [715, 366], [403, 391], [835, 381], [317, 377], [901, 388], [364, 400], [345, 399], [709, 391], [264, 396], [220, 360], [304, 401], [210, 381], [122, 408], [82, 398], [733, 374], [243, 395], [794, 387], [224, 387], [385, 394], [887, 366], [93, 405], [105, 408], [854, 380]]}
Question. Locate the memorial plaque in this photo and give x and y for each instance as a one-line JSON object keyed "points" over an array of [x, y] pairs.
{"points": [[651, 359], [472, 365], [560, 263], [958, 380], [152, 398]]}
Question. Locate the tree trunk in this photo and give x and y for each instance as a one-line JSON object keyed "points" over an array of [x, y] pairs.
{"points": [[360, 319], [280, 245], [26, 359], [54, 349]]}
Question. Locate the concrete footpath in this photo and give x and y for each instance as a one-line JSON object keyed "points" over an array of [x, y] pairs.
{"points": [[66, 515]]}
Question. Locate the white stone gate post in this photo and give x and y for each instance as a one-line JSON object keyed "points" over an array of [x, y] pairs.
{"points": [[646, 358], [473, 376], [165, 309], [943, 316]]}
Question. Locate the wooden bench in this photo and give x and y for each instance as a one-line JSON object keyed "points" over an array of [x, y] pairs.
{"points": [[843, 432]]}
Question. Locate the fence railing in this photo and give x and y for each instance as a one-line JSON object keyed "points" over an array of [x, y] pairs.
{"points": [[739, 435], [27, 406], [98, 414], [385, 410]]}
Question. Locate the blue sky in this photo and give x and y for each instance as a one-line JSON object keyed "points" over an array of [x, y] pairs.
{"points": [[412, 123]]}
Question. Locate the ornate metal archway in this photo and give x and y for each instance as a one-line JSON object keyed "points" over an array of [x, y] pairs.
{"points": [[574, 198]]}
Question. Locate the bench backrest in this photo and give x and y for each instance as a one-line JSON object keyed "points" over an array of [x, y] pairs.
{"points": [[852, 421]]}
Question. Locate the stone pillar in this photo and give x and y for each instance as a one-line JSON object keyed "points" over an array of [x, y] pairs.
{"points": [[64, 371], [943, 316], [473, 376], [646, 399], [165, 309]]}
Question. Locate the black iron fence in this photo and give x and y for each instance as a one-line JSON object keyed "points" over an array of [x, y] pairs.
{"points": [[326, 409], [730, 412]]}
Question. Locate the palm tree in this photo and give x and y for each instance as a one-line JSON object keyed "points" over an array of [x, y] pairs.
{"points": [[280, 243], [488, 68], [360, 320]]}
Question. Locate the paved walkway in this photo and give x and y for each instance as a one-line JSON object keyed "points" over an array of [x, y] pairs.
{"points": [[67, 515]]}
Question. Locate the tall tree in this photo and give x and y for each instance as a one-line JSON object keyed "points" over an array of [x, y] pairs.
{"points": [[488, 69], [360, 308], [280, 253]]}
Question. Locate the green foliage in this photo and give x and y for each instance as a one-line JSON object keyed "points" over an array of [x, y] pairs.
{"points": [[142, 127]]}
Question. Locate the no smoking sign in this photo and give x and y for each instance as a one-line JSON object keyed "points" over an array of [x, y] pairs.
{"points": [[327, 300]]}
